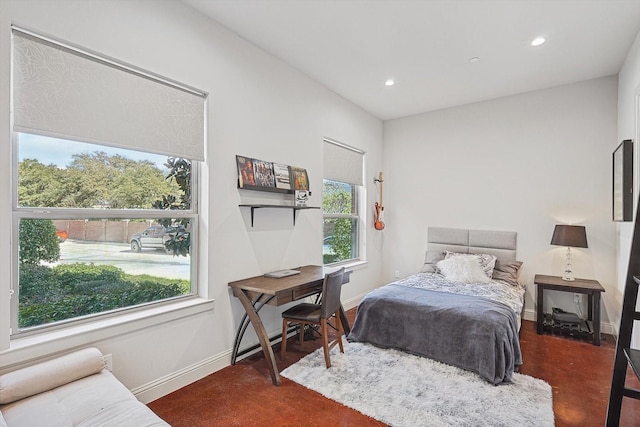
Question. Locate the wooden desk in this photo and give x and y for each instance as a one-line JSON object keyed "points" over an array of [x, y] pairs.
{"points": [[256, 292], [592, 288]]}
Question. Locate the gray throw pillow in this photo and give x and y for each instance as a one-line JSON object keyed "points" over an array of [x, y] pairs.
{"points": [[430, 260], [507, 271]]}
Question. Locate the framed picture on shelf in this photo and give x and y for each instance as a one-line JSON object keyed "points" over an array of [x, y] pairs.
{"points": [[245, 172], [283, 179], [263, 173], [623, 181], [300, 178], [301, 198]]}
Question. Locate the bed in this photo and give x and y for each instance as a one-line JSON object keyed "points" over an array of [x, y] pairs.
{"points": [[451, 311]]}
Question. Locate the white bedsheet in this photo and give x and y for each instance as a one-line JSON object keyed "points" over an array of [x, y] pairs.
{"points": [[496, 290]]}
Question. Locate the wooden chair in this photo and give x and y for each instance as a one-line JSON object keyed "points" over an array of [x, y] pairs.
{"points": [[318, 314]]}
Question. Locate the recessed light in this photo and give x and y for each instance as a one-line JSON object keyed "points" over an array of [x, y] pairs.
{"points": [[389, 82], [474, 59], [538, 41]]}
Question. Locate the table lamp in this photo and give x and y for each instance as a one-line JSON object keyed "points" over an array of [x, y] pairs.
{"points": [[571, 236]]}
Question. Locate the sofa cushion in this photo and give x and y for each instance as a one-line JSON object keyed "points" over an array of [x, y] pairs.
{"points": [[96, 400], [125, 414], [48, 375]]}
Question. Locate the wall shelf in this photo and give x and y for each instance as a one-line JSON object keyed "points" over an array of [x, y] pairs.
{"points": [[263, 206], [266, 189]]}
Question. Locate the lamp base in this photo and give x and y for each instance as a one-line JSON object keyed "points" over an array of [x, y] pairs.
{"points": [[568, 271]]}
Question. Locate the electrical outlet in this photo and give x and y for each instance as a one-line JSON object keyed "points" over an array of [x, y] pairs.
{"points": [[397, 274], [108, 362]]}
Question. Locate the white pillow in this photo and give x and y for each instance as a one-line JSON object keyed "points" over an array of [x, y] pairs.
{"points": [[45, 376], [464, 269], [487, 262]]}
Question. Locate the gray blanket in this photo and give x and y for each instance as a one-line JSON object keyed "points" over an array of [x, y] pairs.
{"points": [[469, 332]]}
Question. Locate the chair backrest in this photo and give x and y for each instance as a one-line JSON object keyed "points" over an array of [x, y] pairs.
{"points": [[331, 293]]}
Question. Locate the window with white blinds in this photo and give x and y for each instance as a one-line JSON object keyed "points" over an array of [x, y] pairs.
{"points": [[105, 184], [67, 92], [342, 203], [343, 163]]}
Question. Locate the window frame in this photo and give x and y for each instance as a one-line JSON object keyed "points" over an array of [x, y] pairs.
{"points": [[357, 216], [126, 319], [359, 213], [20, 212]]}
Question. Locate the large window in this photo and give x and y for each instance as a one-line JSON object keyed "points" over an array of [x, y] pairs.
{"points": [[342, 195], [99, 229], [105, 211]]}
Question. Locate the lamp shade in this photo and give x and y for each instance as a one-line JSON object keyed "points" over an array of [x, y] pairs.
{"points": [[570, 235]]}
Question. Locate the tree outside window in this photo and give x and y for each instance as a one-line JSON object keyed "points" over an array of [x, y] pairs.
{"points": [[79, 209], [339, 205]]}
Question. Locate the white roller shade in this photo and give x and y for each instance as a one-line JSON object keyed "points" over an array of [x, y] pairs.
{"points": [[62, 92], [343, 163]]}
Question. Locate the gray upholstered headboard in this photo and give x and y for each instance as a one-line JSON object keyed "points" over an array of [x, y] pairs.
{"points": [[502, 244]]}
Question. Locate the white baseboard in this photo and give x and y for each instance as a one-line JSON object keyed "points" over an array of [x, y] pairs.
{"points": [[529, 315], [169, 383], [353, 302], [176, 380]]}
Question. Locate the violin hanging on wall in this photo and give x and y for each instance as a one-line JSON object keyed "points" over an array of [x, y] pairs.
{"points": [[378, 224]]}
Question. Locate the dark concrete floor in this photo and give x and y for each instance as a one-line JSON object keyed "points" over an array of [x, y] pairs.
{"points": [[242, 395]]}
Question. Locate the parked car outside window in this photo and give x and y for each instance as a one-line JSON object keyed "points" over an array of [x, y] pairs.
{"points": [[153, 237]]}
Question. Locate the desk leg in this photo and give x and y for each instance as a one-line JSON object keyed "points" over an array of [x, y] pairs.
{"points": [[596, 317], [239, 334], [257, 306], [540, 311], [265, 343]]}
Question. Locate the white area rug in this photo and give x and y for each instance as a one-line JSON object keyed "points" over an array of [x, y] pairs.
{"points": [[405, 390]]}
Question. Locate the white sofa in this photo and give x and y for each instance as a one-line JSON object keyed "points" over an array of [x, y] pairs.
{"points": [[71, 390]]}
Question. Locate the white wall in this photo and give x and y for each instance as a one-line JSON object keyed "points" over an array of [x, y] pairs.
{"points": [[257, 107], [522, 163], [628, 93]]}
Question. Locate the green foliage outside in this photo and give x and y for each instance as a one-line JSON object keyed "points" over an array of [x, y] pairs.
{"points": [[38, 241], [40, 185], [99, 180], [338, 200], [179, 173], [71, 290], [93, 180], [341, 243]]}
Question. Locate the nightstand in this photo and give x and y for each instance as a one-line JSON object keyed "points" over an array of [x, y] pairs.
{"points": [[591, 288]]}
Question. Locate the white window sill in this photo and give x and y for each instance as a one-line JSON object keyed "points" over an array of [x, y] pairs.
{"points": [[353, 264], [64, 339]]}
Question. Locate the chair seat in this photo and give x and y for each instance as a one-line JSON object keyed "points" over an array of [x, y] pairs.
{"points": [[319, 314], [304, 312]]}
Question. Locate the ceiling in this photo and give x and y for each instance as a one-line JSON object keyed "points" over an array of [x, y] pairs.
{"points": [[353, 46]]}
